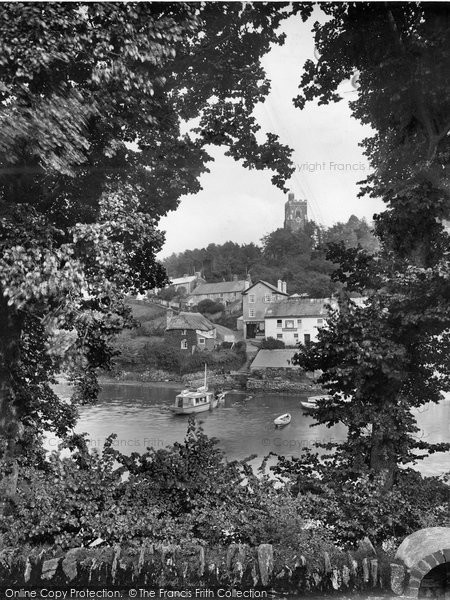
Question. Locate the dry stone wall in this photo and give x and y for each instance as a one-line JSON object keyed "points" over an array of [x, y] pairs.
{"points": [[235, 567]]}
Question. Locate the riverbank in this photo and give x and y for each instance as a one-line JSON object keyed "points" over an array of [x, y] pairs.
{"points": [[239, 380], [172, 380]]}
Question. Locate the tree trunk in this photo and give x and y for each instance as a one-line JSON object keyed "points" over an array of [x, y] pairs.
{"points": [[382, 456], [10, 426]]}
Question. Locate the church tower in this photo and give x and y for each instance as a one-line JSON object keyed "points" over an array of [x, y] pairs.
{"points": [[295, 213]]}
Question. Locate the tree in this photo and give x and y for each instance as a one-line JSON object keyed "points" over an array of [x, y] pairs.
{"points": [[401, 53], [392, 354], [92, 155], [383, 356], [353, 233], [168, 293]]}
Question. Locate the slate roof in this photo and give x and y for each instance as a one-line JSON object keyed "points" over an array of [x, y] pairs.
{"points": [[269, 285], [274, 359], [223, 332], [304, 307], [181, 280], [190, 320], [219, 288]]}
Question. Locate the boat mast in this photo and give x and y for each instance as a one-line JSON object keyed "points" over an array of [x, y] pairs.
{"points": [[205, 376]]}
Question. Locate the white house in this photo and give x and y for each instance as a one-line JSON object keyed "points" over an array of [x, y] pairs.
{"points": [[297, 319]]}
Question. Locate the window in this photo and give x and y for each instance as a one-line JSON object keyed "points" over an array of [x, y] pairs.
{"points": [[307, 338], [319, 321], [274, 297], [184, 344], [251, 298], [251, 312], [279, 336], [201, 341], [279, 323], [267, 297], [295, 336], [183, 332], [289, 324], [299, 322]]}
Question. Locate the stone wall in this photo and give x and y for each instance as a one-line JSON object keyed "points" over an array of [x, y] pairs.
{"points": [[234, 567], [278, 384]]}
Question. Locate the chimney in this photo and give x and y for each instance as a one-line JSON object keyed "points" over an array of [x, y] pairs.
{"points": [[235, 277], [280, 285], [283, 287], [291, 196]]}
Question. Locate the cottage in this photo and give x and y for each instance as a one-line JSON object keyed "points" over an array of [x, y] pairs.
{"points": [[224, 292], [256, 299], [187, 282], [190, 331], [297, 319]]}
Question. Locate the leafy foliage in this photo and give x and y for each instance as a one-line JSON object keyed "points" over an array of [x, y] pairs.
{"points": [[161, 355], [271, 343], [351, 504], [209, 307], [183, 492]]}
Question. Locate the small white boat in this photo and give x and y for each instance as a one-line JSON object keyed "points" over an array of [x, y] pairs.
{"points": [[282, 420], [191, 401]]}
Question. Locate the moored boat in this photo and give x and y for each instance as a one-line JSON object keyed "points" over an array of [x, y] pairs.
{"points": [[191, 401], [282, 420]]}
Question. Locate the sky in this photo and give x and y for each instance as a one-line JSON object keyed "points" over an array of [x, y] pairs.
{"points": [[242, 206]]}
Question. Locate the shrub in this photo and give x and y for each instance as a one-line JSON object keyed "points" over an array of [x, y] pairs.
{"points": [[163, 356], [352, 504], [209, 307], [271, 343], [182, 492]]}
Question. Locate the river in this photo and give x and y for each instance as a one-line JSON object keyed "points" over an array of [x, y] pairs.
{"points": [[139, 414]]}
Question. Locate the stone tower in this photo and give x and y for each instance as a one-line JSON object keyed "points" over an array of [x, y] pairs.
{"points": [[295, 213]]}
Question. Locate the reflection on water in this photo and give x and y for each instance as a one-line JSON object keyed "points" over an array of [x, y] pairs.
{"points": [[243, 426]]}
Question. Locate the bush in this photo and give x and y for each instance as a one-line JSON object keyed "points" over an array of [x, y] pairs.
{"points": [[352, 504], [168, 293], [163, 356], [271, 343], [183, 492], [209, 307]]}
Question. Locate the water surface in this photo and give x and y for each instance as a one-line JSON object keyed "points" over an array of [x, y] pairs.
{"points": [[139, 414]]}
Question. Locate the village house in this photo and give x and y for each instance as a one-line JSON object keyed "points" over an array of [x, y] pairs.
{"points": [[190, 331], [224, 292], [187, 282], [256, 299], [297, 320]]}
